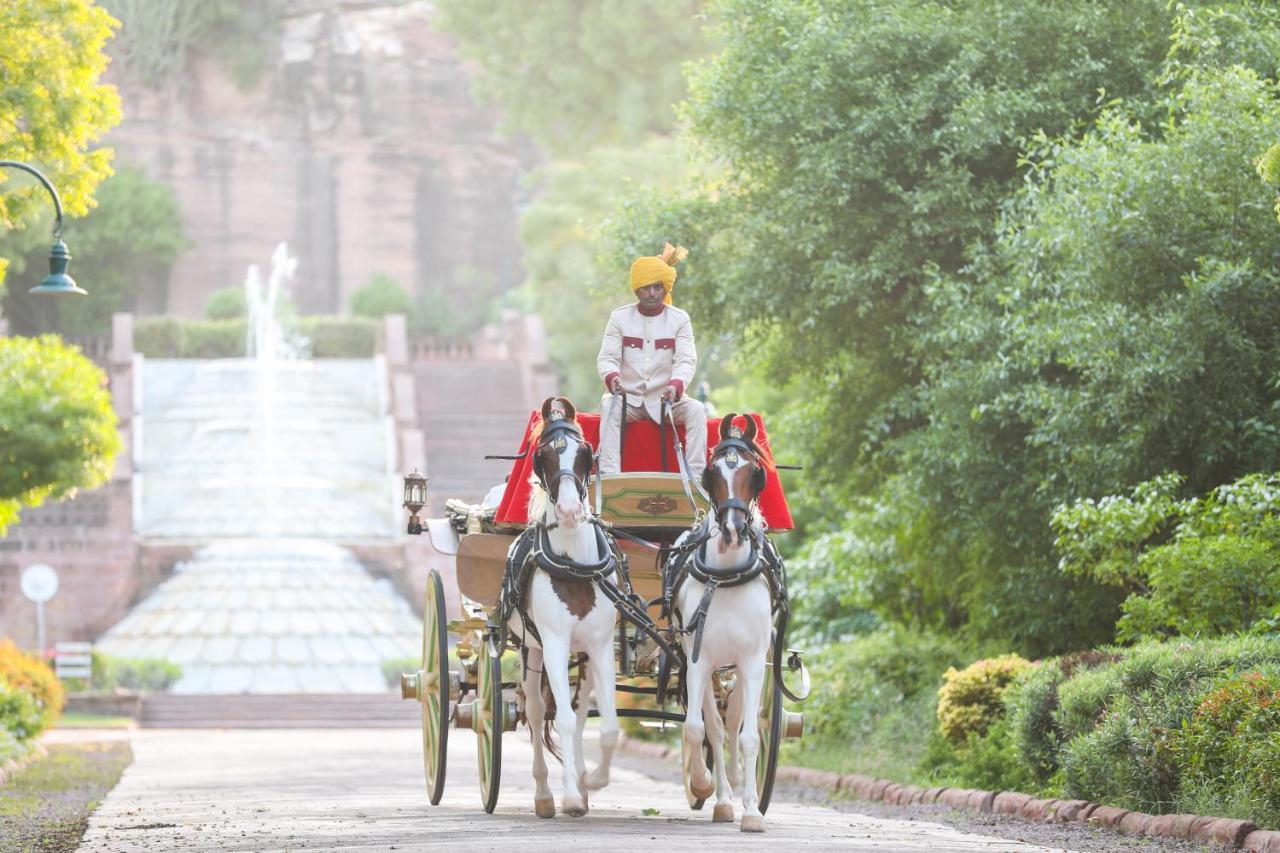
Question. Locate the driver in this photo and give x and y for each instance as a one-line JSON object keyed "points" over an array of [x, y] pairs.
{"points": [[648, 353]]}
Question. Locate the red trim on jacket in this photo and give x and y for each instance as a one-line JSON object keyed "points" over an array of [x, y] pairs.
{"points": [[637, 343], [608, 381], [679, 386], [665, 343]]}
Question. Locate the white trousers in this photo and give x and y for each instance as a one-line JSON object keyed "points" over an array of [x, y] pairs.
{"points": [[689, 413]]}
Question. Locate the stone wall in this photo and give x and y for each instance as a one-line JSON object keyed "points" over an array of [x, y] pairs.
{"points": [[361, 147]]}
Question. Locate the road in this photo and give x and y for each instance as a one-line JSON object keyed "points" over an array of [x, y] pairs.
{"points": [[240, 790]]}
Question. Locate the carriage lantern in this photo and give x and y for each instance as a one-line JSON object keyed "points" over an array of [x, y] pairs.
{"points": [[415, 498]]}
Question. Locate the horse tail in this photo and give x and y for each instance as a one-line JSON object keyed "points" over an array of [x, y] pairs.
{"points": [[548, 720], [549, 702]]}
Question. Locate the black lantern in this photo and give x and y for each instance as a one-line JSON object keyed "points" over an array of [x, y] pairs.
{"points": [[415, 498]]}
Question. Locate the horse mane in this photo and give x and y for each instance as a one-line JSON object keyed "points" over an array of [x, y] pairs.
{"points": [[538, 499]]}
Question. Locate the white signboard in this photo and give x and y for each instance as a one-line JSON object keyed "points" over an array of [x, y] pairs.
{"points": [[39, 583]]}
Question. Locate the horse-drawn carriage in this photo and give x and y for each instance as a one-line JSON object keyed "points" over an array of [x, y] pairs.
{"points": [[517, 566]]}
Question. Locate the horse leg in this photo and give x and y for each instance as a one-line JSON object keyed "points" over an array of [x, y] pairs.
{"points": [[751, 675], [535, 711], [700, 781], [723, 812], [733, 725], [585, 687], [603, 672], [555, 657]]}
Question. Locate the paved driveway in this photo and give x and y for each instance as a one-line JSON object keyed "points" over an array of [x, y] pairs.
{"points": [[233, 790]]}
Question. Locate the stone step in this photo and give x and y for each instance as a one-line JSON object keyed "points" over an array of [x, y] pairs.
{"points": [[256, 711]]}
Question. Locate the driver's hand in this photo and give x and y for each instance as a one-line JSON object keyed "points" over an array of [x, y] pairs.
{"points": [[669, 393], [616, 387]]}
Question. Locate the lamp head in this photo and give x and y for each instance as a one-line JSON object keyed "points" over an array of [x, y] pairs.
{"points": [[57, 282]]}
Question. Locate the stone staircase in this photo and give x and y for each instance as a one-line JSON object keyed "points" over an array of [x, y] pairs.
{"points": [[468, 408], [292, 711]]}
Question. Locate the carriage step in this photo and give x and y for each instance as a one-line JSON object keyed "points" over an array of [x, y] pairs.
{"points": [[287, 711]]}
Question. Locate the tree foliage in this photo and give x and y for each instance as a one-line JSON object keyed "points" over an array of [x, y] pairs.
{"points": [[52, 105], [57, 427], [574, 75]]}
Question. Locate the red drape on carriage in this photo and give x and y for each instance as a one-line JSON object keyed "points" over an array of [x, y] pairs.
{"points": [[641, 451]]}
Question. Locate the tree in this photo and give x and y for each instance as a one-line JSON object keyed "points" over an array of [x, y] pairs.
{"points": [[57, 427], [52, 107], [381, 296], [574, 75], [1123, 326]]}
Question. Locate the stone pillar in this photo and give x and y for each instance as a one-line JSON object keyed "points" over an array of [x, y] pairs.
{"points": [[395, 342], [120, 367]]}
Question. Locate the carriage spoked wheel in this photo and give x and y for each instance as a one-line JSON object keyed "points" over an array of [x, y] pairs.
{"points": [[772, 716], [489, 720], [430, 687]]}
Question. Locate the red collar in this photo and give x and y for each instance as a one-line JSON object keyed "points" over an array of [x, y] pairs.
{"points": [[662, 306]]}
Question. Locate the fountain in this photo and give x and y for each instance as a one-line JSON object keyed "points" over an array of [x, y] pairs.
{"points": [[266, 464]]}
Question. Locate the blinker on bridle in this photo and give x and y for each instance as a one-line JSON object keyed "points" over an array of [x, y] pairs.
{"points": [[555, 435], [733, 449]]}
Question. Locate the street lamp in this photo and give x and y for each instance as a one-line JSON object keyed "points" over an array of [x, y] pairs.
{"points": [[57, 282], [415, 498]]}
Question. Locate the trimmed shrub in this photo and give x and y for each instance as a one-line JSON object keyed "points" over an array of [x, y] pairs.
{"points": [[158, 337], [1229, 752], [229, 303], [971, 699], [110, 673], [27, 674], [1119, 723], [339, 337], [1032, 708], [380, 297]]}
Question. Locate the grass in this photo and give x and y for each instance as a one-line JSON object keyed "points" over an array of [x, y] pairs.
{"points": [[45, 807], [73, 720]]}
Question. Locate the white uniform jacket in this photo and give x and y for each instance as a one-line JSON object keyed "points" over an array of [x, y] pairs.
{"points": [[648, 353]]}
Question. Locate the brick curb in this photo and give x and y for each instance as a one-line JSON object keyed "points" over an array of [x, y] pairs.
{"points": [[1225, 832]]}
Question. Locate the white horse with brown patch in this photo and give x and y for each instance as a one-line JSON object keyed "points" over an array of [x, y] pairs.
{"points": [[731, 626], [566, 615]]}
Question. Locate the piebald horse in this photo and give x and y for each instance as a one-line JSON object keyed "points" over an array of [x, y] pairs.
{"points": [[723, 605], [561, 614]]}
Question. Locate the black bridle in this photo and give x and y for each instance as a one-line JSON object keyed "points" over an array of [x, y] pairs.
{"points": [[744, 451], [555, 434]]}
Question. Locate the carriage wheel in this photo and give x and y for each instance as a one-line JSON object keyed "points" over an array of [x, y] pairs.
{"points": [[488, 721], [695, 802], [770, 727], [433, 687]]}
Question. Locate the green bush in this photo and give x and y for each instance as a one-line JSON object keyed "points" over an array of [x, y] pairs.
{"points": [[380, 297], [229, 303], [989, 760], [1229, 752], [326, 336], [339, 337], [1119, 723], [30, 675], [21, 714], [1032, 708], [110, 673], [174, 337], [1204, 566], [971, 699], [866, 693]]}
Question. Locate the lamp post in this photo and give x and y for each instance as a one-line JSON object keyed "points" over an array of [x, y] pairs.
{"points": [[415, 498], [57, 282]]}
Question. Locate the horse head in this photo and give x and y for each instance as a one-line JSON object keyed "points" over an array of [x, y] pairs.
{"points": [[561, 453], [734, 478]]}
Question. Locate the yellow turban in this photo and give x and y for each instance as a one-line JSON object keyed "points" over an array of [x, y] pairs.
{"points": [[652, 269]]}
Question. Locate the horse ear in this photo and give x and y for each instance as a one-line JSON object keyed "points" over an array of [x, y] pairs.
{"points": [[749, 433], [546, 408], [570, 412], [725, 424]]}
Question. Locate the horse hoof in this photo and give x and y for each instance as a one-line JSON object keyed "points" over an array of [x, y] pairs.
{"points": [[703, 791], [545, 806], [722, 813], [752, 823], [575, 806]]}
